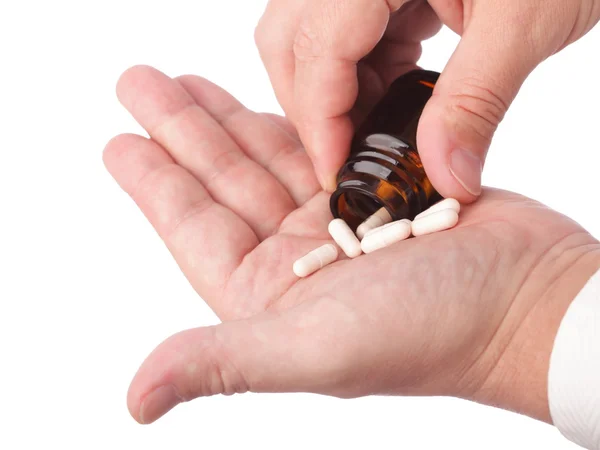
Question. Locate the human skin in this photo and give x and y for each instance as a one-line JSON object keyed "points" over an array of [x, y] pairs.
{"points": [[470, 312], [330, 60]]}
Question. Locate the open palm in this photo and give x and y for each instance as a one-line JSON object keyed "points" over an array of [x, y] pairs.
{"points": [[235, 198]]}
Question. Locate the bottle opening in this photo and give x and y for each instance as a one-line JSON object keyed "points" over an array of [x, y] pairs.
{"points": [[355, 206]]}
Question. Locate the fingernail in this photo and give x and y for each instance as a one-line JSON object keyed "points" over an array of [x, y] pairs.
{"points": [[466, 167], [158, 403], [328, 182]]}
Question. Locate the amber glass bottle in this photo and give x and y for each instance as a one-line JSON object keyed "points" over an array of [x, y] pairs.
{"points": [[384, 168]]}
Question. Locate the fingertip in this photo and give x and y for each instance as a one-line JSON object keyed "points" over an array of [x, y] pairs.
{"points": [[466, 167], [139, 389], [153, 405], [144, 91], [328, 144], [453, 169], [117, 146], [129, 76], [181, 368], [328, 182], [156, 404], [153, 392], [133, 404]]}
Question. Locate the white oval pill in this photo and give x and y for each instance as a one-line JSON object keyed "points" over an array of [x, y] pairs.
{"points": [[344, 237], [378, 219], [434, 222], [448, 203], [386, 235], [315, 260]]}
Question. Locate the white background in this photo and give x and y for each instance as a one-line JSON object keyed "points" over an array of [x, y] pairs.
{"points": [[87, 289]]}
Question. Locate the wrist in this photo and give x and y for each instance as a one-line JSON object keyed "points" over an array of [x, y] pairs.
{"points": [[518, 359]]}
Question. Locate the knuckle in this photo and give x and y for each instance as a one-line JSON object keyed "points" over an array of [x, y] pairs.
{"points": [[482, 105], [260, 38], [263, 32], [152, 185], [227, 376], [213, 373], [308, 44]]}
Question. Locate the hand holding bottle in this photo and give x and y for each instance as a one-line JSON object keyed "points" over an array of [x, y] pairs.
{"points": [[470, 312], [331, 60]]}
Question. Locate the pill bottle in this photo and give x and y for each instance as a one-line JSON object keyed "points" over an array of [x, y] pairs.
{"points": [[384, 169]]}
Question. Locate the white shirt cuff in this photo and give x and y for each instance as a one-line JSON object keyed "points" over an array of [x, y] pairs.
{"points": [[574, 375]]}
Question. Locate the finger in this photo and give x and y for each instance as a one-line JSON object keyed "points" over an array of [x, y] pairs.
{"points": [[198, 143], [400, 48], [284, 124], [326, 84], [396, 54], [261, 139], [294, 351], [207, 240], [274, 37], [470, 99]]}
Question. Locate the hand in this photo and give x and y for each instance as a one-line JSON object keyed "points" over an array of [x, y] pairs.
{"points": [[235, 198], [331, 60]]}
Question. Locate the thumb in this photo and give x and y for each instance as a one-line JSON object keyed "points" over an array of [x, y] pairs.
{"points": [[273, 352], [470, 99]]}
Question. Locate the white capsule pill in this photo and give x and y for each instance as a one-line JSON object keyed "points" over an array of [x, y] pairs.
{"points": [[448, 203], [315, 260], [434, 222], [344, 237], [408, 222], [386, 235], [378, 219]]}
